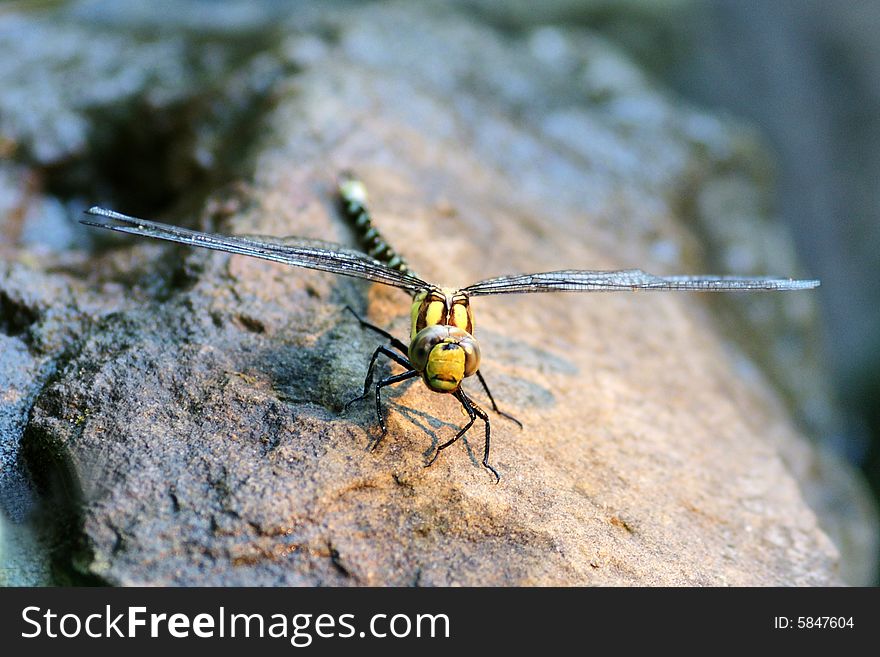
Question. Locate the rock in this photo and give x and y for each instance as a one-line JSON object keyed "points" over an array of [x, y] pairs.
{"points": [[196, 407]]}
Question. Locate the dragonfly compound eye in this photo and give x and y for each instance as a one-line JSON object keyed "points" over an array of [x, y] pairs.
{"points": [[471, 355], [445, 355]]}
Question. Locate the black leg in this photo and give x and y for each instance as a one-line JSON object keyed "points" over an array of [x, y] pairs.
{"points": [[494, 405], [391, 380], [368, 381], [461, 432], [474, 411], [397, 344], [485, 418]]}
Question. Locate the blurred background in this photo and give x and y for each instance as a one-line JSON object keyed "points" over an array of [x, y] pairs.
{"points": [[803, 74], [806, 74]]}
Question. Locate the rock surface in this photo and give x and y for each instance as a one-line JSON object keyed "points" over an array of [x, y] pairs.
{"points": [[194, 400]]}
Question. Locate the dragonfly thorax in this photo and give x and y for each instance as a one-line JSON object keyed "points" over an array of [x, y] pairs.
{"points": [[440, 306]]}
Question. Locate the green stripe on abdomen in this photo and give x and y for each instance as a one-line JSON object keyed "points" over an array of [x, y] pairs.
{"points": [[353, 198]]}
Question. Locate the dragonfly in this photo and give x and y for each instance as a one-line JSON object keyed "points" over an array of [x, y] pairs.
{"points": [[442, 349]]}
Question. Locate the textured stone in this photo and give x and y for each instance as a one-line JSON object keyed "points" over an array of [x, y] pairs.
{"points": [[198, 413]]}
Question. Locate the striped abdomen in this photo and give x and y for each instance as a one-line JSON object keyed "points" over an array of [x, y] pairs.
{"points": [[353, 197]]}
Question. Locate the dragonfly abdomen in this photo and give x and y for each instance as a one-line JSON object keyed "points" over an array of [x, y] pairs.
{"points": [[353, 196]]}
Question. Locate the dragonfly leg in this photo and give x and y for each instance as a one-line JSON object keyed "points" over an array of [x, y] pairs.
{"points": [[494, 405], [391, 380], [397, 344], [473, 411], [368, 381], [485, 418], [461, 432]]}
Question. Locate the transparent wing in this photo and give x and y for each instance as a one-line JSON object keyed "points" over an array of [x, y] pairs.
{"points": [[312, 254], [575, 280]]}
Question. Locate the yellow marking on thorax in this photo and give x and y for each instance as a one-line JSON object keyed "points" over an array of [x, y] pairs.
{"points": [[414, 313], [432, 307], [460, 316], [435, 312]]}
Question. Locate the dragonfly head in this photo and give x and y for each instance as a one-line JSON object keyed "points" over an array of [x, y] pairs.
{"points": [[444, 355]]}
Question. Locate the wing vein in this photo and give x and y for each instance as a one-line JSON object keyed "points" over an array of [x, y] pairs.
{"points": [[576, 280], [299, 252]]}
